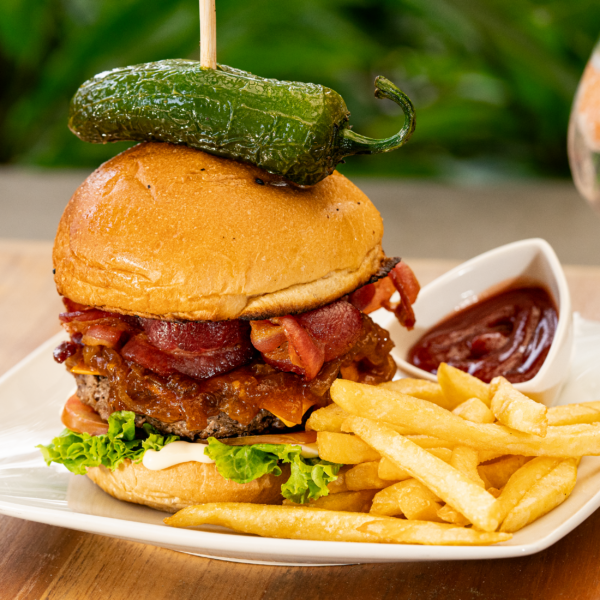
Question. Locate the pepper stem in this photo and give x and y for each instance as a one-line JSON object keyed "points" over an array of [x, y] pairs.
{"points": [[354, 143]]}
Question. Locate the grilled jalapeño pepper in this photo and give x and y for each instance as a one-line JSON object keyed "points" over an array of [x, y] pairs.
{"points": [[296, 130]]}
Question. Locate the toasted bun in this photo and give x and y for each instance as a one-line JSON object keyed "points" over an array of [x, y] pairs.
{"points": [[183, 485], [169, 232]]}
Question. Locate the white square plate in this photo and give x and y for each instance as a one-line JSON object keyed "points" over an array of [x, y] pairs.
{"points": [[32, 395]]}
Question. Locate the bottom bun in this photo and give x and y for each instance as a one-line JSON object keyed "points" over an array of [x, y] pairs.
{"points": [[184, 485]]}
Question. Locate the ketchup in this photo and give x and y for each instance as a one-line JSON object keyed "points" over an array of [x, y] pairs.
{"points": [[506, 334]]}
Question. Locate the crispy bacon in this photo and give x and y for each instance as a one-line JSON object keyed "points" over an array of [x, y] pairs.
{"points": [[85, 315], [72, 306], [371, 297], [299, 344], [302, 344], [378, 295], [63, 351], [266, 336], [303, 350], [403, 275], [103, 335], [408, 287], [195, 336], [200, 365], [336, 326], [142, 352], [213, 362]]}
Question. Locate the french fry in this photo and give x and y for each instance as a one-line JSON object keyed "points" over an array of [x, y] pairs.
{"points": [[419, 388], [474, 410], [344, 448], [444, 453], [498, 473], [329, 418], [365, 477], [487, 455], [299, 523], [409, 498], [494, 492], [574, 414], [425, 441], [517, 411], [344, 501], [466, 459], [337, 486], [423, 532], [568, 441], [419, 507], [445, 481], [521, 481], [545, 495], [450, 515], [388, 470], [458, 386], [386, 501], [288, 522]]}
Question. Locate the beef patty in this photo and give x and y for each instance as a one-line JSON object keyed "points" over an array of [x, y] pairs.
{"points": [[94, 391]]}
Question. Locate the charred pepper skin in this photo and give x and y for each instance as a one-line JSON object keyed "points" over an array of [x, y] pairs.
{"points": [[296, 130]]}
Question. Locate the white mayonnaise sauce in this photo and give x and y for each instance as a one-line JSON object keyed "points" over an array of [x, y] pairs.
{"points": [[176, 453], [173, 454]]}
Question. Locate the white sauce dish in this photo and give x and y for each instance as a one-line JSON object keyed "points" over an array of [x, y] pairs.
{"points": [[530, 261]]}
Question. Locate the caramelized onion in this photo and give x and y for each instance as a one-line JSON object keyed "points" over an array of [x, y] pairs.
{"points": [[191, 381]]}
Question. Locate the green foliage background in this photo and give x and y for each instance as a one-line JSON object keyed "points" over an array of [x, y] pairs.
{"points": [[492, 80]]}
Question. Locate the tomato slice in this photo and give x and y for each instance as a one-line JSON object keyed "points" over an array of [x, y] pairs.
{"points": [[300, 437], [81, 418]]}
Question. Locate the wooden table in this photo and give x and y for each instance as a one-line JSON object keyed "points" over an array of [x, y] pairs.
{"points": [[43, 562]]}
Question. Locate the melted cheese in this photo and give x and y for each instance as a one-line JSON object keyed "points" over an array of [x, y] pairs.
{"points": [[83, 370], [306, 404]]}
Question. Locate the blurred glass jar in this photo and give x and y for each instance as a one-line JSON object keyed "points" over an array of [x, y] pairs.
{"points": [[584, 133]]}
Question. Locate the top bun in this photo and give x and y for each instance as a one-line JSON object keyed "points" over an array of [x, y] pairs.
{"points": [[168, 232]]}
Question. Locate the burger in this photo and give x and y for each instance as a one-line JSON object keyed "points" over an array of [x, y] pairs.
{"points": [[210, 305]]}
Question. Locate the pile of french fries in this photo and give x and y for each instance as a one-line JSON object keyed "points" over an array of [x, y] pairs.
{"points": [[457, 462]]}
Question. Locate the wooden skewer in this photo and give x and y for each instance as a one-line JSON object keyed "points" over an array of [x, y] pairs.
{"points": [[208, 34]]}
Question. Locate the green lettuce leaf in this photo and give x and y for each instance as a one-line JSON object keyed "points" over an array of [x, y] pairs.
{"points": [[77, 451], [242, 464]]}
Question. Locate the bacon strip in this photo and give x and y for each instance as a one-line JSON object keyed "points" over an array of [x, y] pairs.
{"points": [[403, 275], [378, 295], [200, 365], [304, 343], [372, 296], [266, 337], [408, 287], [304, 352], [143, 353], [85, 315], [212, 362], [195, 336], [335, 326], [72, 306], [64, 350], [102, 335]]}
